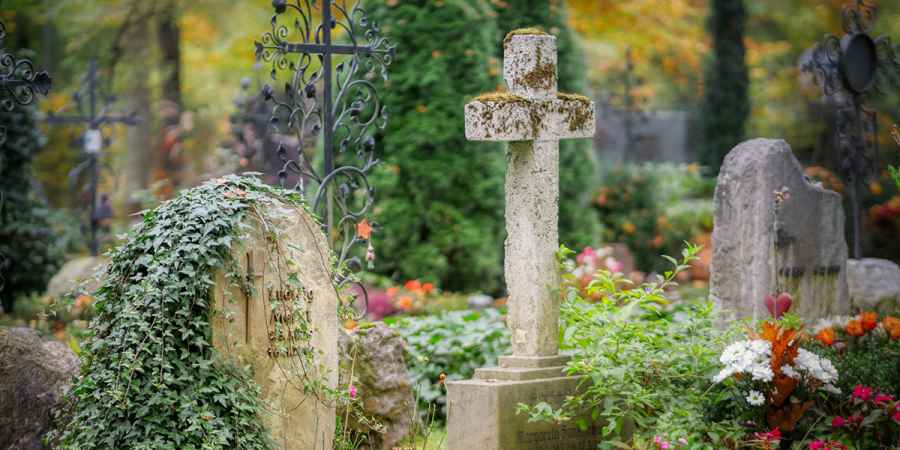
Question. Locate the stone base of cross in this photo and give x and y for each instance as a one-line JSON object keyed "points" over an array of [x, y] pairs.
{"points": [[533, 117]]}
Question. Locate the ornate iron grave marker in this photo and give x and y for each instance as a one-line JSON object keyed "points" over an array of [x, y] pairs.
{"points": [[850, 69], [19, 82], [347, 114], [92, 142]]}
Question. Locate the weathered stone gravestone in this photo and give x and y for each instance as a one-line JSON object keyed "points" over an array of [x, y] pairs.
{"points": [[291, 280], [775, 231], [532, 117]]}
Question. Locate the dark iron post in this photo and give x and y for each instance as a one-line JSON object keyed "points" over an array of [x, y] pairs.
{"points": [[850, 69], [92, 143]]}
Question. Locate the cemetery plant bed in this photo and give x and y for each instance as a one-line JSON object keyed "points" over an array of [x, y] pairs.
{"points": [[151, 376]]}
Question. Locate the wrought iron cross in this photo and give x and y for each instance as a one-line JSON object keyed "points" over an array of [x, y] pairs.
{"points": [[19, 82], [349, 113], [850, 69], [92, 141]]}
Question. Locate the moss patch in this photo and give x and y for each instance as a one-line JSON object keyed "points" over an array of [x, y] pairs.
{"points": [[505, 97], [579, 115], [532, 31], [574, 98]]}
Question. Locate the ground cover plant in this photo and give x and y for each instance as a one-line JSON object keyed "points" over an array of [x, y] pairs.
{"points": [[449, 346]]}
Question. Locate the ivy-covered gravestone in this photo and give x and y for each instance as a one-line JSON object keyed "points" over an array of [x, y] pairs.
{"points": [[286, 325], [216, 327]]}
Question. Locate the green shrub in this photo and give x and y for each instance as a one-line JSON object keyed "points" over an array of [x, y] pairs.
{"points": [[647, 369], [726, 100], [439, 196], [653, 209], [29, 253], [452, 343], [577, 167]]}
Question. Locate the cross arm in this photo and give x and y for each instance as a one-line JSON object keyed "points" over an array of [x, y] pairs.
{"points": [[322, 49], [506, 117]]}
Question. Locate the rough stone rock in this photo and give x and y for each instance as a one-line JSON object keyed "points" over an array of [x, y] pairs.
{"points": [[874, 285], [763, 245], [480, 301], [78, 274], [34, 375], [382, 381]]}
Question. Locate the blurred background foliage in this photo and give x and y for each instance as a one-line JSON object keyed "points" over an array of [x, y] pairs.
{"points": [[179, 65]]}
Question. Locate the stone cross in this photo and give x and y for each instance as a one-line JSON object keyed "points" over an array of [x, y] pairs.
{"points": [[533, 118]]}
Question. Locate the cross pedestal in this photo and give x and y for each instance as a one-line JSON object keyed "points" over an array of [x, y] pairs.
{"points": [[533, 118]]}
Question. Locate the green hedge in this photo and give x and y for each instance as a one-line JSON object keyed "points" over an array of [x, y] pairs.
{"points": [[439, 196]]}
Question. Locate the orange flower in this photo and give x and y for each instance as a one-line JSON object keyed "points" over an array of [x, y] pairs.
{"points": [[892, 325], [657, 241], [405, 302], [855, 328], [428, 287], [629, 228], [413, 285], [392, 292], [83, 301], [350, 325], [826, 336], [364, 230], [869, 320]]}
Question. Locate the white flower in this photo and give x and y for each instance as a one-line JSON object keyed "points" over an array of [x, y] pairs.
{"points": [[788, 370], [832, 389], [755, 398], [817, 368], [762, 373], [750, 357]]}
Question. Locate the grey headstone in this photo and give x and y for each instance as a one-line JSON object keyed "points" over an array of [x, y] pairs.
{"points": [[480, 301], [760, 248], [874, 285]]}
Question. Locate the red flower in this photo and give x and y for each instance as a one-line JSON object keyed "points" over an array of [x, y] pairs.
{"points": [[861, 392], [837, 422], [778, 306], [771, 436], [869, 320], [855, 328], [882, 399], [896, 416], [413, 285], [855, 419]]}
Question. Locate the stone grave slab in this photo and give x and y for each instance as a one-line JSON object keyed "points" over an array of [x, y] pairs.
{"points": [[776, 231], [247, 330]]}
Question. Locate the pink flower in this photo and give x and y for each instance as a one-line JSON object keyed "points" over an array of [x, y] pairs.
{"points": [[855, 419], [352, 391], [588, 252], [862, 392], [837, 422], [896, 416], [771, 436], [613, 265], [816, 445], [881, 399], [664, 445]]}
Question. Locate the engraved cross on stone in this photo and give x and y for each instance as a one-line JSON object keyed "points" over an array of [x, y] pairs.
{"points": [[533, 118]]}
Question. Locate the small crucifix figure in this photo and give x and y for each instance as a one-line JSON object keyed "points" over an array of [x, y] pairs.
{"points": [[92, 144], [533, 118]]}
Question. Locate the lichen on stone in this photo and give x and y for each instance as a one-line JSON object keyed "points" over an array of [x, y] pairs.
{"points": [[505, 97], [530, 31], [573, 98]]}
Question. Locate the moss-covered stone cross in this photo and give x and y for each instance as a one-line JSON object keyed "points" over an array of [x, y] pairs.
{"points": [[533, 118]]}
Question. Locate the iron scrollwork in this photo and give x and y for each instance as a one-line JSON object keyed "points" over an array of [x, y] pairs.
{"points": [[19, 81], [850, 69], [347, 113]]}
